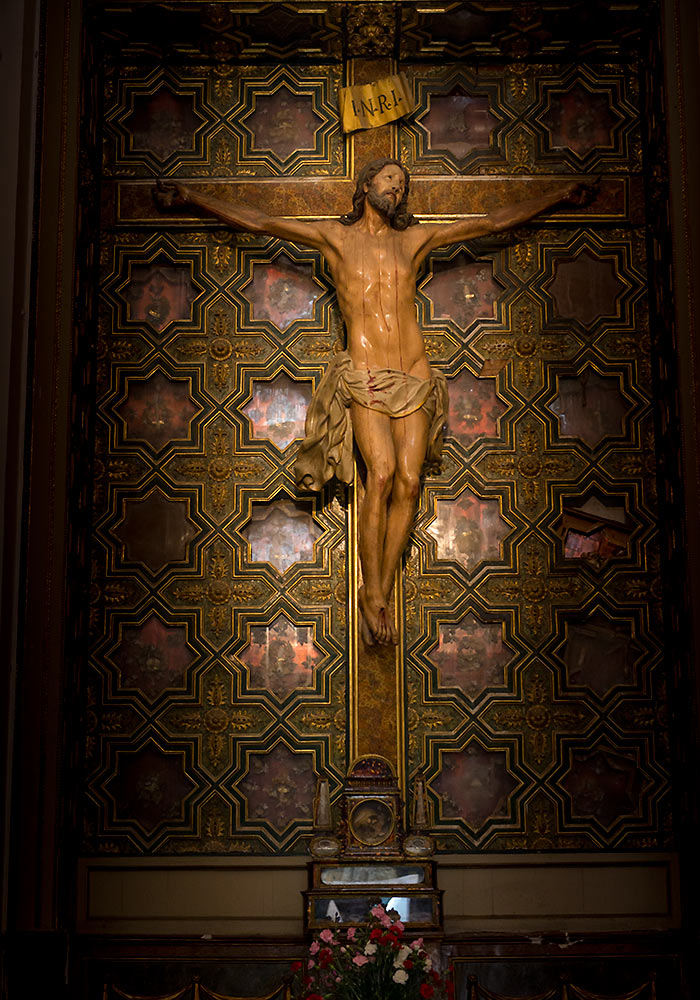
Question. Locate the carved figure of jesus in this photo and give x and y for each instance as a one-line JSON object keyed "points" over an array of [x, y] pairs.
{"points": [[381, 391]]}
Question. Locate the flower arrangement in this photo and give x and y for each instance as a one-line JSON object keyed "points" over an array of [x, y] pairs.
{"points": [[371, 962]]}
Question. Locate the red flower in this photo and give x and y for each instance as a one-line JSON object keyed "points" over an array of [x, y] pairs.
{"points": [[426, 991], [434, 976], [296, 966], [375, 933], [408, 964], [450, 987], [314, 996]]}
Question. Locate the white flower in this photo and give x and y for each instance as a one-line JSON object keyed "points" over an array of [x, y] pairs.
{"points": [[370, 948], [428, 963], [404, 952], [400, 976]]}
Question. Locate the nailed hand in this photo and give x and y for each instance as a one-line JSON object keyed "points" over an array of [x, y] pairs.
{"points": [[582, 192], [168, 194]]}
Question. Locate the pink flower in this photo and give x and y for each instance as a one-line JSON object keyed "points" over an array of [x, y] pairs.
{"points": [[327, 936], [314, 947], [360, 960], [381, 915], [310, 964], [417, 944], [398, 927], [352, 931]]}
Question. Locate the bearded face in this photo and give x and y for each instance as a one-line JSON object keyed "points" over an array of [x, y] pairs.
{"points": [[384, 203]]}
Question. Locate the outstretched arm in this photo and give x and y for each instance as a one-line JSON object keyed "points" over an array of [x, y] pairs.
{"points": [[442, 235], [173, 195]]}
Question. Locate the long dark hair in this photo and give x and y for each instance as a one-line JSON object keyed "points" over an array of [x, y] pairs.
{"points": [[402, 218]]}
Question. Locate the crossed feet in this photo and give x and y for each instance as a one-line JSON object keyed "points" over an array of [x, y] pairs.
{"points": [[376, 625]]}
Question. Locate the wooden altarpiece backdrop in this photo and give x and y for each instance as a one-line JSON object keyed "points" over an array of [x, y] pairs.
{"points": [[217, 670]]}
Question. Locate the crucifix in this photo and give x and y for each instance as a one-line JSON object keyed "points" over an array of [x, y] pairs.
{"points": [[381, 392]]}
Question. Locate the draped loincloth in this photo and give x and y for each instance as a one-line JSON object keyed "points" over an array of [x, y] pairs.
{"points": [[327, 449]]}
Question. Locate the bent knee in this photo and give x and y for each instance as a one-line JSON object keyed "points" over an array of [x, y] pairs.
{"points": [[408, 483], [380, 480]]}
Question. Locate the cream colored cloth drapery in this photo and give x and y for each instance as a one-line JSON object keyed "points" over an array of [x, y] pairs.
{"points": [[326, 451]]}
